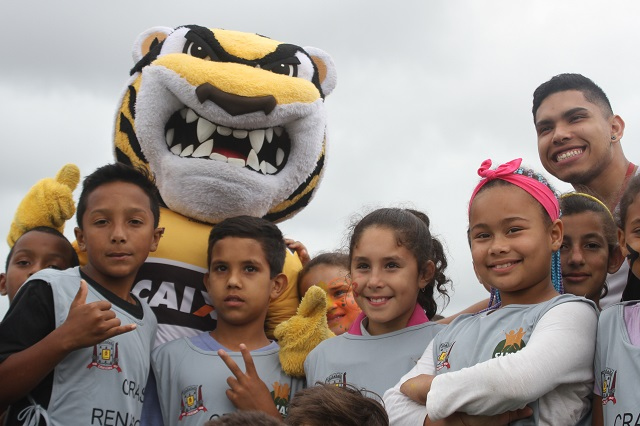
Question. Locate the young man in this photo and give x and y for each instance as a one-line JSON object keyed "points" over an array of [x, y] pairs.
{"points": [[39, 248], [579, 142], [75, 344], [245, 258]]}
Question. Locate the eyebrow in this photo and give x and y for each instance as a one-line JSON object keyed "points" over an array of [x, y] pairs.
{"points": [[565, 115], [502, 222], [129, 210]]}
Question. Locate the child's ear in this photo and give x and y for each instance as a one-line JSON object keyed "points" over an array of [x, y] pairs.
{"points": [[622, 243], [157, 234], [556, 232], [3, 284], [80, 238], [615, 260], [280, 282], [205, 280], [427, 274]]}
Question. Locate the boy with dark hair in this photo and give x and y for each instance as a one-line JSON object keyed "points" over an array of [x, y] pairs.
{"points": [[39, 248], [75, 344], [579, 142], [245, 257]]}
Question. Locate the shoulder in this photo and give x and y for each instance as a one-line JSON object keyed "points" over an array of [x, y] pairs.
{"points": [[170, 350]]}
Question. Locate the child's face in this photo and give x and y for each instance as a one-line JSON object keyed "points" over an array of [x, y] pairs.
{"points": [[238, 281], [32, 252], [385, 279], [333, 279], [630, 236], [511, 244], [584, 255], [117, 233]]}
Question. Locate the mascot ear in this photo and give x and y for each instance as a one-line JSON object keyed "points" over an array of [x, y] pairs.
{"points": [[326, 69], [148, 40]]}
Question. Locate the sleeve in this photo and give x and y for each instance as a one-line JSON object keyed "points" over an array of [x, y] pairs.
{"points": [[560, 351], [30, 318], [401, 409]]}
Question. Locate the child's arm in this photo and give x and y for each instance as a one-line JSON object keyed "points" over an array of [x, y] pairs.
{"points": [[247, 391], [86, 325], [299, 248], [560, 351]]}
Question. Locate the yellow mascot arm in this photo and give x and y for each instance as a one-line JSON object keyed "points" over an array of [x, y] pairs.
{"points": [[48, 203], [304, 331]]}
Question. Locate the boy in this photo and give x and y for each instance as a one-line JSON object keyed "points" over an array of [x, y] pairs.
{"points": [[39, 248], [245, 258], [75, 344]]}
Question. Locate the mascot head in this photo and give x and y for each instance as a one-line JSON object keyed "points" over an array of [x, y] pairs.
{"points": [[229, 122]]}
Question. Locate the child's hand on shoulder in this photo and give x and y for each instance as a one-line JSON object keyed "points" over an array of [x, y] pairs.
{"points": [[89, 323], [247, 390]]}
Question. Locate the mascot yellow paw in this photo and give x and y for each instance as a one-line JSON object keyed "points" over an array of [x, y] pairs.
{"points": [[301, 333], [48, 203]]}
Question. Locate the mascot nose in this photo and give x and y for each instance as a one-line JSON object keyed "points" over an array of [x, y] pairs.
{"points": [[235, 104]]}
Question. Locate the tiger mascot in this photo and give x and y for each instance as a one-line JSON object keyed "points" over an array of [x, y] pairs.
{"points": [[229, 123]]}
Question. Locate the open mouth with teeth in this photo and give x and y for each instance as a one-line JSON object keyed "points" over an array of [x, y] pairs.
{"points": [[568, 154], [263, 150]]}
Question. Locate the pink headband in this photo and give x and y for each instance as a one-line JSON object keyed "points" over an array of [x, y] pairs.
{"points": [[506, 172]]}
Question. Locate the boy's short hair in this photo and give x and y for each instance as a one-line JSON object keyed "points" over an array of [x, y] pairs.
{"points": [[335, 405], [563, 82], [264, 232], [46, 230], [245, 417], [119, 172]]}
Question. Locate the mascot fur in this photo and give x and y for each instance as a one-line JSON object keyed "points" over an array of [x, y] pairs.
{"points": [[229, 123]]}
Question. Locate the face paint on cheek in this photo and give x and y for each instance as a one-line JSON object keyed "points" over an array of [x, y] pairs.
{"points": [[632, 256], [354, 286]]}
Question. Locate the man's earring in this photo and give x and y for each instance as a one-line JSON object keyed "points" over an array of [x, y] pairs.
{"points": [[613, 138]]}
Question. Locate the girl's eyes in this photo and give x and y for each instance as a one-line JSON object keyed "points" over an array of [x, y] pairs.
{"points": [[514, 230], [362, 266], [391, 265]]}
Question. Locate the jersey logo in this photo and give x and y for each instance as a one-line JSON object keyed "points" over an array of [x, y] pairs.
{"points": [[337, 379], [105, 356], [281, 395], [608, 385], [511, 344], [191, 401], [443, 358]]}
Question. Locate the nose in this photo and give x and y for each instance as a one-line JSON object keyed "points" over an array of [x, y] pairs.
{"points": [[118, 233], [561, 134], [576, 256], [233, 281], [498, 245], [375, 278], [235, 104]]}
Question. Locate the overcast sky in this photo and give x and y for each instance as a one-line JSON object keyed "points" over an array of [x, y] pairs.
{"points": [[426, 91]]}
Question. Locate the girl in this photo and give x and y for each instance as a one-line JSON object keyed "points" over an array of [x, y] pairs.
{"points": [[395, 267], [535, 347], [330, 271], [618, 344], [589, 246]]}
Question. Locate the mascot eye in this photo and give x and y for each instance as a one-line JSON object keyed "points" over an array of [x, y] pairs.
{"points": [[286, 67], [195, 49]]}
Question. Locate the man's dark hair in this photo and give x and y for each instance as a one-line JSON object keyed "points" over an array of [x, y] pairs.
{"points": [[563, 82], [264, 232]]}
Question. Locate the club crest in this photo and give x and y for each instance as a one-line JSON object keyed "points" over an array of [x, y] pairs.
{"points": [[609, 376], [191, 401], [105, 356]]}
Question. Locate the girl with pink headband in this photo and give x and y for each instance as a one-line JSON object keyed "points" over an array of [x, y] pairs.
{"points": [[528, 358]]}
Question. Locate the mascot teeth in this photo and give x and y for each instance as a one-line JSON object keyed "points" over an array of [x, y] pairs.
{"points": [[191, 136]]}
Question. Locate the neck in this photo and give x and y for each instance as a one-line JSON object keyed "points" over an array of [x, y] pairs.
{"points": [[231, 336], [609, 184], [529, 296], [121, 287]]}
